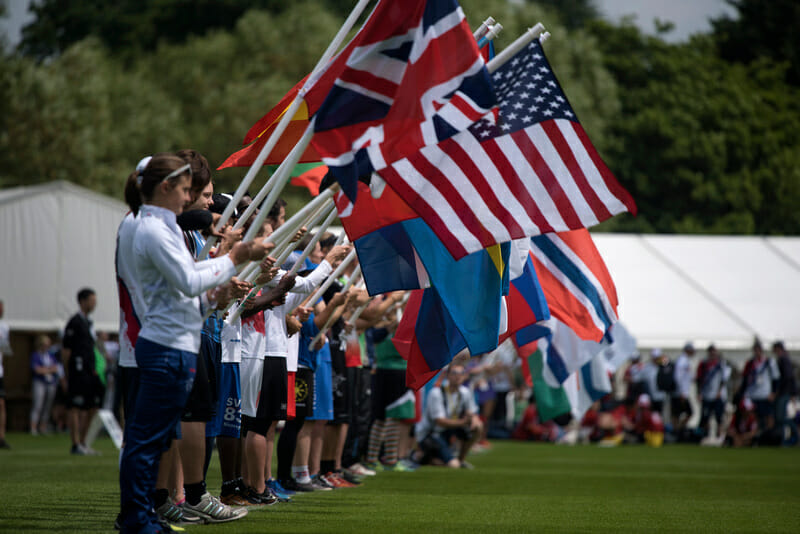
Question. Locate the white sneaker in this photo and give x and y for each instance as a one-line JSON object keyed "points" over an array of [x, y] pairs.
{"points": [[210, 510], [360, 470]]}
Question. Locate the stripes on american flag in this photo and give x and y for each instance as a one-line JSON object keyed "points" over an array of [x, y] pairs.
{"points": [[535, 171]]}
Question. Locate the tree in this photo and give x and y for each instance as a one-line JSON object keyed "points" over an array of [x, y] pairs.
{"points": [[764, 28], [706, 146]]}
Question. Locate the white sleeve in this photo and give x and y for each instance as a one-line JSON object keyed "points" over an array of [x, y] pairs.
{"points": [[307, 284], [435, 405], [469, 399], [179, 268]]}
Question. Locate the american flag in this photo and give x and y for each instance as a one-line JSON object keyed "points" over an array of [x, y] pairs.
{"points": [[534, 171]]}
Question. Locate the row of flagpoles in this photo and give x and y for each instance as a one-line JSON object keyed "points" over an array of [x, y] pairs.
{"points": [[351, 146]]}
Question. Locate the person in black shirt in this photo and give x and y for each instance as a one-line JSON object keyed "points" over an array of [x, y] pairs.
{"points": [[84, 389]]}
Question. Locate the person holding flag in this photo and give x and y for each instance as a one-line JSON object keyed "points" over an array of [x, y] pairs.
{"points": [[174, 289]]}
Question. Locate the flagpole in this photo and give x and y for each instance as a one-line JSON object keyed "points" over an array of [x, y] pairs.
{"points": [[509, 51], [493, 32], [333, 47], [317, 236], [328, 323], [334, 275], [482, 29]]}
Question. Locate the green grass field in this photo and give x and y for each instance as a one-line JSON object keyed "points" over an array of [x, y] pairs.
{"points": [[516, 487]]}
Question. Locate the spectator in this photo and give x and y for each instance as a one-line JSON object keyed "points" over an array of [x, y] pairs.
{"points": [[743, 429], [759, 380], [681, 408], [450, 415], [532, 428], [785, 392], [635, 379], [712, 382], [643, 424], [5, 348], [83, 384], [45, 370], [651, 372]]}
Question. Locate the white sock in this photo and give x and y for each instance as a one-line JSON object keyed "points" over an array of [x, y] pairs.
{"points": [[300, 474]]}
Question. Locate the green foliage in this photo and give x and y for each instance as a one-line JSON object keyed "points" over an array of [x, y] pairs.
{"points": [[705, 145], [762, 29], [702, 143]]}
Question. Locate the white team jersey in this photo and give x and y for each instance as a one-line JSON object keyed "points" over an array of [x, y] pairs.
{"points": [[131, 302]]}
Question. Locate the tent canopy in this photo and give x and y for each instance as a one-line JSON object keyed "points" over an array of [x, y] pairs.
{"points": [[55, 239], [706, 289]]}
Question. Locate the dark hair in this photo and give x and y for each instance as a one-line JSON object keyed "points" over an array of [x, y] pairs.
{"points": [[303, 243], [201, 172], [84, 294], [328, 240], [141, 184], [276, 209], [778, 345], [220, 203]]}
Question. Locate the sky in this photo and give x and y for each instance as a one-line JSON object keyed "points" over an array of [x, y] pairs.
{"points": [[689, 16]]}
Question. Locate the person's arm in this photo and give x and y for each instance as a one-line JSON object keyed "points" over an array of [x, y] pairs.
{"points": [[334, 308], [270, 297]]}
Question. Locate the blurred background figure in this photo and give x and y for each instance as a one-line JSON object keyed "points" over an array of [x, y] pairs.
{"points": [[45, 375]]}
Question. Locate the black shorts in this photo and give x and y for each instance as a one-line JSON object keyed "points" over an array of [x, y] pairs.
{"points": [[257, 425], [274, 390], [2, 387], [342, 398], [390, 385], [84, 391], [129, 387], [201, 406], [680, 406], [304, 393]]}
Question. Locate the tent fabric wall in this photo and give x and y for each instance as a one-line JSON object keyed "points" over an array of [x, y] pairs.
{"points": [[55, 239], [706, 289]]}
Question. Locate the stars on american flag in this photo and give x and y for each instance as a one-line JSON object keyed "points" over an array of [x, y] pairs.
{"points": [[527, 92]]}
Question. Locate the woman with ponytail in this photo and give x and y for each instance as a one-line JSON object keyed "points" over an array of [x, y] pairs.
{"points": [[174, 291]]}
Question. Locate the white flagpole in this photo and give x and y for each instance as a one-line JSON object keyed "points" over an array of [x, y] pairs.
{"points": [[353, 277], [483, 28], [509, 51], [334, 275], [333, 47], [324, 226]]}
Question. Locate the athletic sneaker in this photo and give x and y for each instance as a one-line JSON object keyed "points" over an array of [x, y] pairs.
{"points": [[351, 478], [251, 497], [234, 499], [300, 487], [319, 484], [280, 492], [400, 467], [466, 465], [268, 497], [376, 467], [361, 471], [174, 515], [210, 510], [76, 449], [337, 481]]}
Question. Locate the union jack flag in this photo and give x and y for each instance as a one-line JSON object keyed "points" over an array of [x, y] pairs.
{"points": [[413, 76]]}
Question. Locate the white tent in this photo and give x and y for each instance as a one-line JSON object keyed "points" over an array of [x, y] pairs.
{"points": [[720, 289], [55, 239], [58, 237]]}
